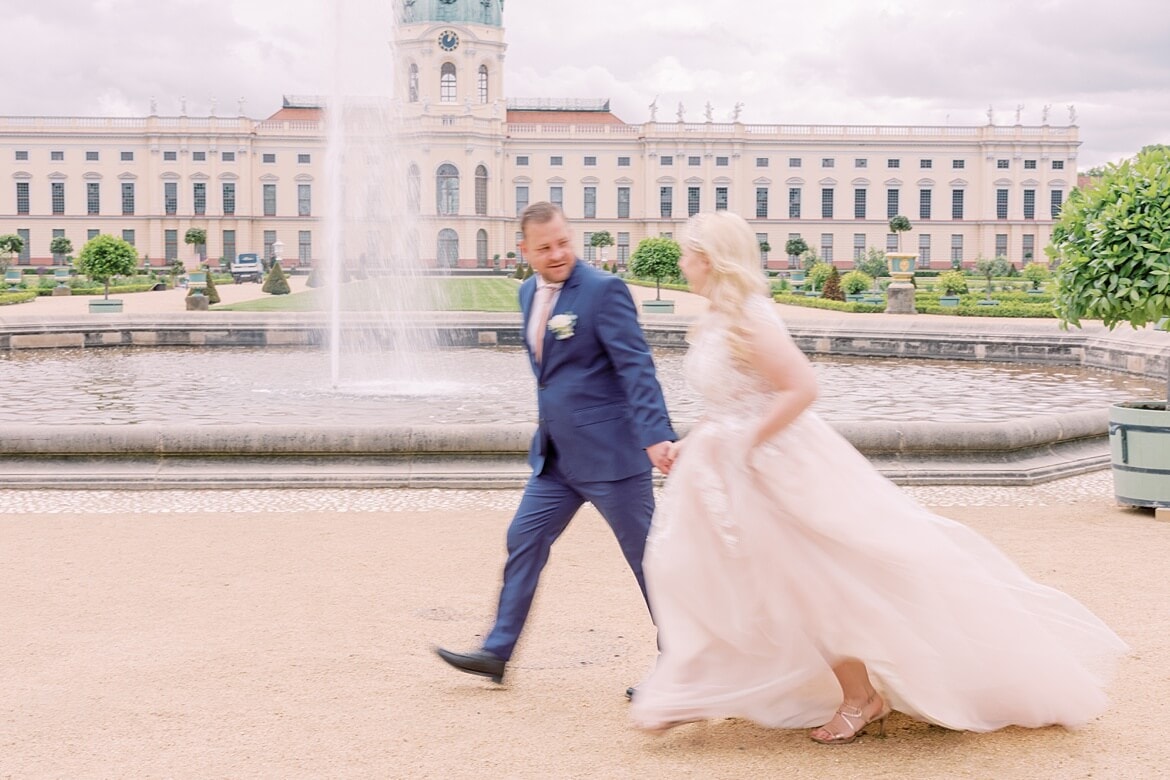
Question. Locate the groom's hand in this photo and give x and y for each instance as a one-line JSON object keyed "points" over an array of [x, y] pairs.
{"points": [[660, 456]]}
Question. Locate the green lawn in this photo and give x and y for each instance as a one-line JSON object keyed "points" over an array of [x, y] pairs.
{"points": [[438, 294]]}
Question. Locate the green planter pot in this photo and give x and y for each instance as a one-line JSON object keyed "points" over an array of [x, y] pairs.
{"points": [[949, 300], [1139, 440], [658, 307], [851, 297], [104, 306]]}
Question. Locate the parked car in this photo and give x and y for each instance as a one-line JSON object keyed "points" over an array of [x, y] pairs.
{"points": [[247, 268]]}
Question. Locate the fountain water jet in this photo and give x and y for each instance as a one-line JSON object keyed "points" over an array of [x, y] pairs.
{"points": [[375, 276]]}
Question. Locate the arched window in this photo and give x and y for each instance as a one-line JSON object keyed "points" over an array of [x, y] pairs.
{"points": [[447, 83], [481, 247], [413, 83], [447, 190], [481, 185], [483, 84], [448, 248], [414, 189]]}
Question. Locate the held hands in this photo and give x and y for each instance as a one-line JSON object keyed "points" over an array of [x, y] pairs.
{"points": [[662, 455]]}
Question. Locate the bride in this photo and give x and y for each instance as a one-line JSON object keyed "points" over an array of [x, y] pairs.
{"points": [[795, 586]]}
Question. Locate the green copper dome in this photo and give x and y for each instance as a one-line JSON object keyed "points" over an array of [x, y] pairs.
{"points": [[485, 12]]}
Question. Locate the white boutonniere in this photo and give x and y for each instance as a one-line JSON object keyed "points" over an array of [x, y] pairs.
{"points": [[562, 325]]}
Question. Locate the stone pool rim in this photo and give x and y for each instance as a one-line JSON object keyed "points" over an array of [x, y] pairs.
{"points": [[1020, 451]]}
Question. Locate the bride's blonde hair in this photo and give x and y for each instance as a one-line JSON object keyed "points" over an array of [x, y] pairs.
{"points": [[730, 246]]}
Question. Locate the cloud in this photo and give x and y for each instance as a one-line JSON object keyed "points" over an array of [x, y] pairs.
{"points": [[833, 61]]}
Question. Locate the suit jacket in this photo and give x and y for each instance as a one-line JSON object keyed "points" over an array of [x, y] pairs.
{"points": [[599, 401]]}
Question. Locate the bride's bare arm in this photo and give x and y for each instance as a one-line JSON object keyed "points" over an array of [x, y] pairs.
{"points": [[777, 358]]}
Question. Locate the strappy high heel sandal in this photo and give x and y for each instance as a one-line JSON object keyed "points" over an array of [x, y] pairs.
{"points": [[854, 718]]}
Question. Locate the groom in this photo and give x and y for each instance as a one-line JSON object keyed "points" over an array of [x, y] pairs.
{"points": [[602, 423]]}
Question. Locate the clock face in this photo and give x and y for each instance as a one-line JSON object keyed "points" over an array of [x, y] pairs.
{"points": [[448, 40]]}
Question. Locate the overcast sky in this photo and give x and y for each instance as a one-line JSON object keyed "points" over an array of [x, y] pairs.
{"points": [[817, 61]]}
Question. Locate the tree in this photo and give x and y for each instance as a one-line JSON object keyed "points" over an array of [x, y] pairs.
{"points": [[795, 247], [657, 259], [1113, 245], [989, 268], [600, 240], [832, 291], [10, 245], [873, 263], [898, 226], [197, 237], [104, 257], [61, 245]]}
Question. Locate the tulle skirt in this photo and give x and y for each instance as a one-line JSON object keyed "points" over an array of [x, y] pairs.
{"points": [[764, 571]]}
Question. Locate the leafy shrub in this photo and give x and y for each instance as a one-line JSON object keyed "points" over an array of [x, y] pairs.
{"points": [[952, 283], [1037, 274], [856, 281], [816, 275]]}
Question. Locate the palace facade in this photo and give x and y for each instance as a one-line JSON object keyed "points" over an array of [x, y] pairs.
{"points": [[474, 159]]}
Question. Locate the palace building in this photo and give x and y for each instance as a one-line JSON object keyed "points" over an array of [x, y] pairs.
{"points": [[475, 159]]}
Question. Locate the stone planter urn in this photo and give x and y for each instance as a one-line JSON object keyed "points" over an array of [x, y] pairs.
{"points": [[658, 307], [900, 292], [105, 306], [1139, 441]]}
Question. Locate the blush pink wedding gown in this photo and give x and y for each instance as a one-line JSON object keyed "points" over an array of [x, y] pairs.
{"points": [[766, 569]]}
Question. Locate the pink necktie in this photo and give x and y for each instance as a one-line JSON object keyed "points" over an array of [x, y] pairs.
{"points": [[544, 296]]}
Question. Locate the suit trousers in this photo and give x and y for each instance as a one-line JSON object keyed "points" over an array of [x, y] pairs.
{"points": [[550, 501]]}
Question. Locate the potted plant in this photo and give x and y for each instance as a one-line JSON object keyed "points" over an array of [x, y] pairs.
{"points": [[795, 247], [989, 269], [765, 248], [197, 237], [901, 263], [102, 258], [10, 245], [817, 274], [952, 284], [1112, 241], [1037, 274], [855, 283], [657, 259], [600, 240]]}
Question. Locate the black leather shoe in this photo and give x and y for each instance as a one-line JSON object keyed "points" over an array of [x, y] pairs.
{"points": [[479, 662], [630, 693]]}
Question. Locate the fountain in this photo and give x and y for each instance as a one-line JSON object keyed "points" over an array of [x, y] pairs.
{"points": [[374, 276]]}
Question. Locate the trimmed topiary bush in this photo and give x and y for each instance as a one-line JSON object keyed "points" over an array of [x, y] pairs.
{"points": [[276, 283], [832, 291]]}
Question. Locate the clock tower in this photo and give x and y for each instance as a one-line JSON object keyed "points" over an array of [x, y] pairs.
{"points": [[451, 56], [449, 74]]}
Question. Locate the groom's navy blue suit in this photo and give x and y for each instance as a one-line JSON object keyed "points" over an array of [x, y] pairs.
{"points": [[600, 406]]}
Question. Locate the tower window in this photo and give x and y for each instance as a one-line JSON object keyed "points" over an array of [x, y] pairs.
{"points": [[447, 83]]}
